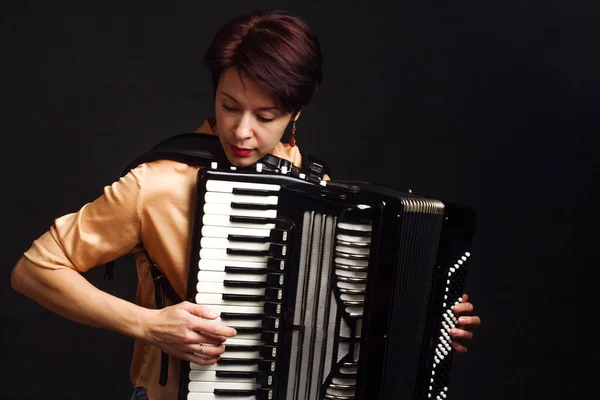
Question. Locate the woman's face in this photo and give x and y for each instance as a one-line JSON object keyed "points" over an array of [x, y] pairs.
{"points": [[249, 120]]}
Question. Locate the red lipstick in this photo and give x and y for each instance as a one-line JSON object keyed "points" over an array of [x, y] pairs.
{"points": [[240, 152]]}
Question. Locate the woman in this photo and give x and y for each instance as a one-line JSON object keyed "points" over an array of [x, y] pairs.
{"points": [[265, 69]]}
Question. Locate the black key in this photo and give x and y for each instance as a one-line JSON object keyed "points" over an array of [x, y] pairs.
{"points": [[252, 239], [271, 323], [255, 192], [269, 338], [279, 235], [245, 270], [241, 347], [252, 220], [245, 329], [275, 280], [243, 297], [266, 366], [234, 392], [237, 374], [276, 264], [272, 309], [244, 284], [275, 250], [268, 352], [253, 206], [273, 294], [243, 316], [278, 250]]}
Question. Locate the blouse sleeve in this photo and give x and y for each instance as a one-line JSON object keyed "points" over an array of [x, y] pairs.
{"points": [[99, 232]]}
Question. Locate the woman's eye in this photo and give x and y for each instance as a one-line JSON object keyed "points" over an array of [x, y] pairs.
{"points": [[265, 119], [227, 108]]}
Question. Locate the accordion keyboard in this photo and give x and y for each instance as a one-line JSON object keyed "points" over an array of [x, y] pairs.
{"points": [[241, 278]]}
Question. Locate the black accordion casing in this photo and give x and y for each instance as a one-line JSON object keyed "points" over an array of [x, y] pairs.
{"points": [[364, 300]]}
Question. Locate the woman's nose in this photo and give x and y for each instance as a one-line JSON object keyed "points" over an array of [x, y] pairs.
{"points": [[244, 129]]}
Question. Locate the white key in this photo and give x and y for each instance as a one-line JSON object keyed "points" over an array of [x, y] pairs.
{"points": [[216, 287], [215, 276], [211, 386], [225, 209], [244, 355], [223, 220], [211, 396], [237, 309], [217, 367], [211, 376], [220, 243], [243, 342], [246, 336], [228, 198], [222, 232], [219, 254], [219, 265], [214, 185], [215, 299]]}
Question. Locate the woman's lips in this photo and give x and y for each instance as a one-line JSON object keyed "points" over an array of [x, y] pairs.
{"points": [[240, 152]]}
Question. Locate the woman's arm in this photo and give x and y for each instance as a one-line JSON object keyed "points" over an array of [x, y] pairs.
{"points": [[67, 293], [50, 274], [176, 329]]}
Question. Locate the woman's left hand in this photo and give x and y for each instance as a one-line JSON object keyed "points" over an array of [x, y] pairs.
{"points": [[466, 322]]}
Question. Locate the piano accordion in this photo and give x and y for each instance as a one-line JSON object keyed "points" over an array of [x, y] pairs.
{"points": [[338, 290]]}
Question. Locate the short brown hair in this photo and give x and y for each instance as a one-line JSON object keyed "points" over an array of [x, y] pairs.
{"points": [[274, 49]]}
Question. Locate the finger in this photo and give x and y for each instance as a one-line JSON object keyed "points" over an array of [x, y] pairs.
{"points": [[470, 322], [200, 360], [207, 350], [465, 298], [214, 329], [458, 347], [199, 310], [198, 337], [461, 334], [463, 308]]}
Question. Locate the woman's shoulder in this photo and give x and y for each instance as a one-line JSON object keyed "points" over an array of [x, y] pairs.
{"points": [[288, 152]]}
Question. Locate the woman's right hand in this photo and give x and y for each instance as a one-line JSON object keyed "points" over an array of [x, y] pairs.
{"points": [[185, 329]]}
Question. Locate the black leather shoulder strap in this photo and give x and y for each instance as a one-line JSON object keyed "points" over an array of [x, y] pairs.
{"points": [[189, 148]]}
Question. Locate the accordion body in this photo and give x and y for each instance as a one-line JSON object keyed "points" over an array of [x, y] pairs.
{"points": [[338, 290]]}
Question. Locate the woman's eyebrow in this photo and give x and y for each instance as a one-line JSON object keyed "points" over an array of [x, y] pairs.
{"points": [[260, 108]]}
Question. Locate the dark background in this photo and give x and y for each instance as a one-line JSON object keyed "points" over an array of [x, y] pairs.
{"points": [[488, 103]]}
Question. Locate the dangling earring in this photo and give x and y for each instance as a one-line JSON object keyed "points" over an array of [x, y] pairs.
{"points": [[293, 138]]}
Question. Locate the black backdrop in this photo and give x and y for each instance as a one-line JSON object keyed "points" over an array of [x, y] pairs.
{"points": [[492, 104]]}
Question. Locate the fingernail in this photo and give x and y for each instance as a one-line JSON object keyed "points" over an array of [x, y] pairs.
{"points": [[462, 320], [453, 332], [212, 314]]}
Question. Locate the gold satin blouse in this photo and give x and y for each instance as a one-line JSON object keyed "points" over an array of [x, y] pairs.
{"points": [[149, 208]]}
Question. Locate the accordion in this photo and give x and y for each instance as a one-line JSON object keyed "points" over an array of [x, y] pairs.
{"points": [[338, 290]]}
